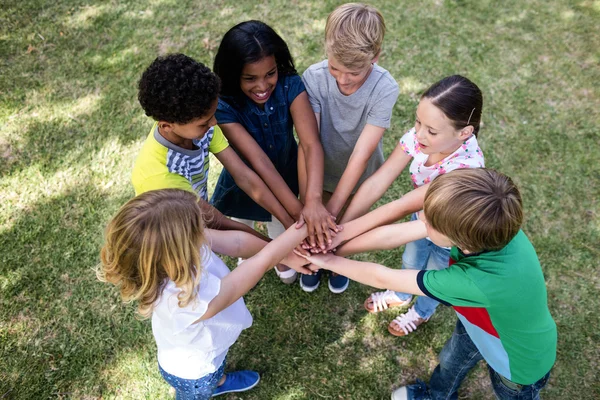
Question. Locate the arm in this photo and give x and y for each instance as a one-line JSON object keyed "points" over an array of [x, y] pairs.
{"points": [[364, 148], [384, 215], [244, 277], [240, 139], [216, 220], [376, 185], [384, 238], [376, 275], [316, 216], [251, 183], [234, 243]]}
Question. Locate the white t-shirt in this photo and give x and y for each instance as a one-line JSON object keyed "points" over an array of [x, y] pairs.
{"points": [[189, 350], [468, 155]]}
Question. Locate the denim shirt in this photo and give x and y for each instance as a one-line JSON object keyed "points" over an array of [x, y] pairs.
{"points": [[273, 130]]}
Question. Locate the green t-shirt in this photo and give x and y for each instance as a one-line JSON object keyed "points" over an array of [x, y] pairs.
{"points": [[500, 297], [163, 165]]}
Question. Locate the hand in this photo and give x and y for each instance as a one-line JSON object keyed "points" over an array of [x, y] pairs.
{"points": [[337, 240], [319, 260], [320, 224], [296, 262]]}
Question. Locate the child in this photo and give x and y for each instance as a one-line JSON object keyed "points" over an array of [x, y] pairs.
{"points": [[352, 98], [495, 284], [158, 252], [263, 99], [444, 138], [181, 95]]}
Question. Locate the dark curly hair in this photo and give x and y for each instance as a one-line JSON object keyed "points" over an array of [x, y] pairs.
{"points": [[246, 43], [177, 89]]}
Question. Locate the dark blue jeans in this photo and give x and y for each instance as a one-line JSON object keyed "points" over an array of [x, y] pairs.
{"points": [[457, 358]]}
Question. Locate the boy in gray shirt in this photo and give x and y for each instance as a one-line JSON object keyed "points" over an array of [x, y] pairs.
{"points": [[352, 98]]}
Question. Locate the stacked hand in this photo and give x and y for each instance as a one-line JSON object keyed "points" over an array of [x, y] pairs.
{"points": [[320, 225]]}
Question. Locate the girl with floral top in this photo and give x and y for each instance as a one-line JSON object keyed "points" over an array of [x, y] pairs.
{"points": [[443, 139]]}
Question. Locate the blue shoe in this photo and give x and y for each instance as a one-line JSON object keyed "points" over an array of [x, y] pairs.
{"points": [[338, 283], [310, 283], [238, 381]]}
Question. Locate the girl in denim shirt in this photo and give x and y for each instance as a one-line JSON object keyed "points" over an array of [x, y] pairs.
{"points": [[262, 100]]}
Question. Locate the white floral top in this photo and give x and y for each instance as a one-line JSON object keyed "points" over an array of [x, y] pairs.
{"points": [[468, 155]]}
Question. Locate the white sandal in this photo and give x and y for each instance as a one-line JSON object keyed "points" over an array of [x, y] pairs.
{"points": [[383, 300]]}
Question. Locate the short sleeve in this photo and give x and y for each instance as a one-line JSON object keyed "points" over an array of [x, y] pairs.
{"points": [[218, 142], [226, 113], [293, 86], [183, 318], [469, 155], [311, 86], [452, 286], [380, 114], [408, 142]]}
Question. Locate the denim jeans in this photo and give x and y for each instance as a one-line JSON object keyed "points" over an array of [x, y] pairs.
{"points": [[194, 389], [423, 254], [457, 358]]}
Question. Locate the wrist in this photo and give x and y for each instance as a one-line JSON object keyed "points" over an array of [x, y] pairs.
{"points": [[313, 197]]}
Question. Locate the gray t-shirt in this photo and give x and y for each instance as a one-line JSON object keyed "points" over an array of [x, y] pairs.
{"points": [[344, 117]]}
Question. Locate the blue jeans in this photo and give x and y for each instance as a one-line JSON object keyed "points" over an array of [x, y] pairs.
{"points": [[194, 389], [423, 254], [457, 358]]}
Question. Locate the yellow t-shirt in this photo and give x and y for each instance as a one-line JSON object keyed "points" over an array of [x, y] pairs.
{"points": [[163, 165]]}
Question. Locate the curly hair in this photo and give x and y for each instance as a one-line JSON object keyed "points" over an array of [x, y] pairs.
{"points": [[177, 89]]}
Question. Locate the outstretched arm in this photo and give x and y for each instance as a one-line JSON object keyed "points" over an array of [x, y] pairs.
{"points": [[364, 148], [376, 185], [384, 215], [246, 276], [239, 138], [376, 275], [251, 184], [318, 220], [216, 220], [385, 237]]}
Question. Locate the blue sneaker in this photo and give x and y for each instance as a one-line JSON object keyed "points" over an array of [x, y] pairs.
{"points": [[310, 283], [238, 381], [338, 283]]}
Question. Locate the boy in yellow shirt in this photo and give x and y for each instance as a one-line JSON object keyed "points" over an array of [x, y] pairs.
{"points": [[181, 94]]}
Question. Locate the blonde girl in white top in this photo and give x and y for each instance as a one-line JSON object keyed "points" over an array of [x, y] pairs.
{"points": [[159, 253]]}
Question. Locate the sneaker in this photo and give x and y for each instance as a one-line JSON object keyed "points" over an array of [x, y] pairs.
{"points": [[288, 276], [417, 391], [310, 283], [338, 283], [380, 301], [406, 323], [238, 381]]}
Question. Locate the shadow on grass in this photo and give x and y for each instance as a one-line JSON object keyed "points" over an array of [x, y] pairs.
{"points": [[58, 326]]}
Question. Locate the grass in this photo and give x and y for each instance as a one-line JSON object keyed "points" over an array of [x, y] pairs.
{"points": [[71, 127]]}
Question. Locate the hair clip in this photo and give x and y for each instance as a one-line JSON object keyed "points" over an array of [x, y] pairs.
{"points": [[469, 120]]}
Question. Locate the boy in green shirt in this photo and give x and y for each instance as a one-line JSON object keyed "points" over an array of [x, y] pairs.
{"points": [[181, 95], [494, 283]]}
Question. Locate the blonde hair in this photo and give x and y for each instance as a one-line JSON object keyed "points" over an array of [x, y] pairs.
{"points": [[155, 237], [354, 34], [477, 209]]}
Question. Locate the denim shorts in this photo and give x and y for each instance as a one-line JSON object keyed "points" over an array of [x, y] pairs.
{"points": [[196, 389]]}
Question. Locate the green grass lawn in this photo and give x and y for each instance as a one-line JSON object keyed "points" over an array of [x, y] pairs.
{"points": [[71, 127]]}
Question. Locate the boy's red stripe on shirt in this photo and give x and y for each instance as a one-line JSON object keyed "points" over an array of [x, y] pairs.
{"points": [[479, 317]]}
